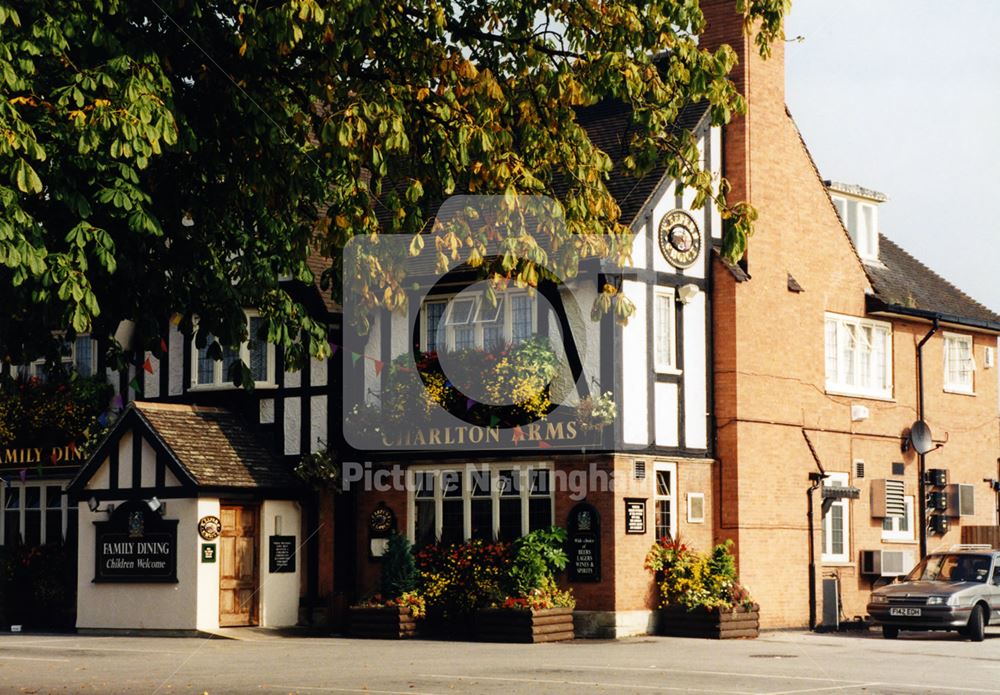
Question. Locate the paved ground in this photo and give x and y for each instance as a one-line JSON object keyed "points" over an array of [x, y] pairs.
{"points": [[782, 663]]}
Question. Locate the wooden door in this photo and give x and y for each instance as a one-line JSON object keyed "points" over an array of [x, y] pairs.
{"points": [[238, 566]]}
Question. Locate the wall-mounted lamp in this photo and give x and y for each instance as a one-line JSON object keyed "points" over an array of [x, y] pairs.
{"points": [[156, 505], [95, 506], [686, 293]]}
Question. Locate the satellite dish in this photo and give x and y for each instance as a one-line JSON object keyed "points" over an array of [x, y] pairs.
{"points": [[920, 437]]}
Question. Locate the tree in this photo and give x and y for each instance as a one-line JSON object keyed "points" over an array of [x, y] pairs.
{"points": [[179, 156]]}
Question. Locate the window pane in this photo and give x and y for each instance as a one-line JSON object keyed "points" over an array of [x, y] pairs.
{"points": [[32, 516], [53, 497], [837, 529], [539, 513], [664, 307], [663, 519], [452, 524], [831, 350], [663, 483], [509, 483], [206, 365], [465, 337], [482, 519], [451, 483], [480, 480], [539, 482], [424, 483], [53, 526], [433, 311], [492, 337], [258, 351], [520, 318], [510, 519], [461, 311], [84, 358], [424, 522], [486, 313], [229, 358]]}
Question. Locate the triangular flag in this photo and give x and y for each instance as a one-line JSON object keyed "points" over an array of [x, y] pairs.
{"points": [[447, 383], [494, 420], [72, 447], [163, 346], [334, 347], [175, 319], [40, 465], [148, 366], [134, 385], [518, 434], [117, 402], [469, 403], [24, 474], [355, 357], [53, 457], [544, 445], [102, 419], [378, 367]]}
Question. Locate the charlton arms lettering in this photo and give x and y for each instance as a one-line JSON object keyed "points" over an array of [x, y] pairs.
{"points": [[472, 434]]}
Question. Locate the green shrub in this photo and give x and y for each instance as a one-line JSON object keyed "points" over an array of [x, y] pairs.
{"points": [[399, 568]]}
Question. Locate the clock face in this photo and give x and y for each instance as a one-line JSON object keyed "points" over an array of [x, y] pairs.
{"points": [[382, 520], [680, 239]]}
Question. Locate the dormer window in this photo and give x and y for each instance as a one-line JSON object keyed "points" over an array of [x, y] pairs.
{"points": [[861, 220]]}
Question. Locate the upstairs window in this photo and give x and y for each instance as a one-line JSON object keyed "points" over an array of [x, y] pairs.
{"points": [[858, 357], [663, 330], [959, 363], [78, 356], [861, 221], [471, 321], [257, 354]]}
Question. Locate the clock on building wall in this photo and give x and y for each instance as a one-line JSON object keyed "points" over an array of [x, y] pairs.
{"points": [[680, 239]]}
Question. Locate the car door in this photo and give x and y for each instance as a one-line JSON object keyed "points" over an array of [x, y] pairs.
{"points": [[993, 589]]}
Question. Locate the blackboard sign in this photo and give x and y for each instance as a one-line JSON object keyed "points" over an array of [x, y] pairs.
{"points": [[281, 554], [135, 544], [635, 515], [584, 544]]}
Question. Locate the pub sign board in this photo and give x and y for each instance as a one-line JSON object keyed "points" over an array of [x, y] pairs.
{"points": [[635, 515], [584, 543], [281, 554], [135, 545]]}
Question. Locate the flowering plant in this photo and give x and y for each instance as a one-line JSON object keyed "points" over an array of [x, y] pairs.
{"points": [[692, 579], [596, 413], [458, 579], [64, 408], [548, 595], [411, 599]]}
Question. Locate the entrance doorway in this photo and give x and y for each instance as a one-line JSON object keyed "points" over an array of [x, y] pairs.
{"points": [[239, 566]]}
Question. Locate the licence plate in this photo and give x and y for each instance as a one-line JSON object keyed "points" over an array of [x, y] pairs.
{"points": [[907, 612]]}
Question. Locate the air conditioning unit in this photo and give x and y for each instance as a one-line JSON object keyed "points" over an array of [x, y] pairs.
{"points": [[886, 563], [888, 498], [961, 499]]}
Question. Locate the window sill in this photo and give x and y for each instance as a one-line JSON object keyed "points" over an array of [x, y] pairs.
{"points": [[868, 395], [669, 371], [230, 387], [838, 563], [900, 541], [959, 391]]}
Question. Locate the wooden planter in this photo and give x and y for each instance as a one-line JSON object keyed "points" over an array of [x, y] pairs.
{"points": [[515, 625], [389, 622], [677, 621]]}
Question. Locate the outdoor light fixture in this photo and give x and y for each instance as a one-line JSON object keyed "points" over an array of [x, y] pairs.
{"points": [[155, 505], [687, 292], [95, 506]]}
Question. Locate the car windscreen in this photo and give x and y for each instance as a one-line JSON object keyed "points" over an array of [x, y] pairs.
{"points": [[951, 567]]}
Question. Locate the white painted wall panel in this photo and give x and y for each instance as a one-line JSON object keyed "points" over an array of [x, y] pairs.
{"points": [[125, 461], [293, 431], [317, 427], [148, 471], [666, 414], [151, 382], [317, 371], [695, 392], [176, 345], [635, 429]]}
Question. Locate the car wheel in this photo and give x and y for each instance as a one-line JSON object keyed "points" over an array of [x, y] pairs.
{"points": [[977, 625], [890, 631]]}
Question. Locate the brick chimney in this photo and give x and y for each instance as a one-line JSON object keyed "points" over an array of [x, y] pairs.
{"points": [[761, 81]]}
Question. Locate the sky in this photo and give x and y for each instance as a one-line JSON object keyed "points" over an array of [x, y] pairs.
{"points": [[903, 96]]}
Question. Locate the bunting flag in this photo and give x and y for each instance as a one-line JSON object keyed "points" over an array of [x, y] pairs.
{"points": [[39, 468], [334, 347], [469, 403], [517, 435], [163, 346], [447, 383], [175, 319], [72, 447], [494, 420], [544, 445], [147, 366], [53, 457], [378, 366], [24, 474], [117, 402], [355, 356], [134, 385], [102, 419]]}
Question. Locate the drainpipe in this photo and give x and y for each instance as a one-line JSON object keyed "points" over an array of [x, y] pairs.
{"points": [[817, 481], [921, 484]]}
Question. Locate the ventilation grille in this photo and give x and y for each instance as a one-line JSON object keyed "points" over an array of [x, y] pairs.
{"points": [[859, 469], [888, 498], [639, 470]]}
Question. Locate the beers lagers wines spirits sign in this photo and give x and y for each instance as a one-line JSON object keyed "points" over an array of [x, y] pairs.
{"points": [[135, 545]]}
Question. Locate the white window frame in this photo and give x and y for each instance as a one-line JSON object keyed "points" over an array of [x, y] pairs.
{"points": [[20, 489], [446, 331], [864, 233], [836, 385], [467, 470], [894, 533], [669, 467], [953, 386], [37, 367], [668, 366], [220, 380], [691, 517], [827, 554]]}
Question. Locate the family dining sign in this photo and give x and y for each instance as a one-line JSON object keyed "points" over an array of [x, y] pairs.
{"points": [[135, 544], [31, 456]]}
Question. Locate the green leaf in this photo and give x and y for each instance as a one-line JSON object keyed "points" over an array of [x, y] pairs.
{"points": [[26, 178]]}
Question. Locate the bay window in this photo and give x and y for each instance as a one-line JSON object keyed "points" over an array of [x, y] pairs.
{"points": [[469, 320], [255, 352]]}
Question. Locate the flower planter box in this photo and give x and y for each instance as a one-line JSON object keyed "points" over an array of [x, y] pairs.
{"points": [[389, 622], [677, 621], [516, 625]]}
